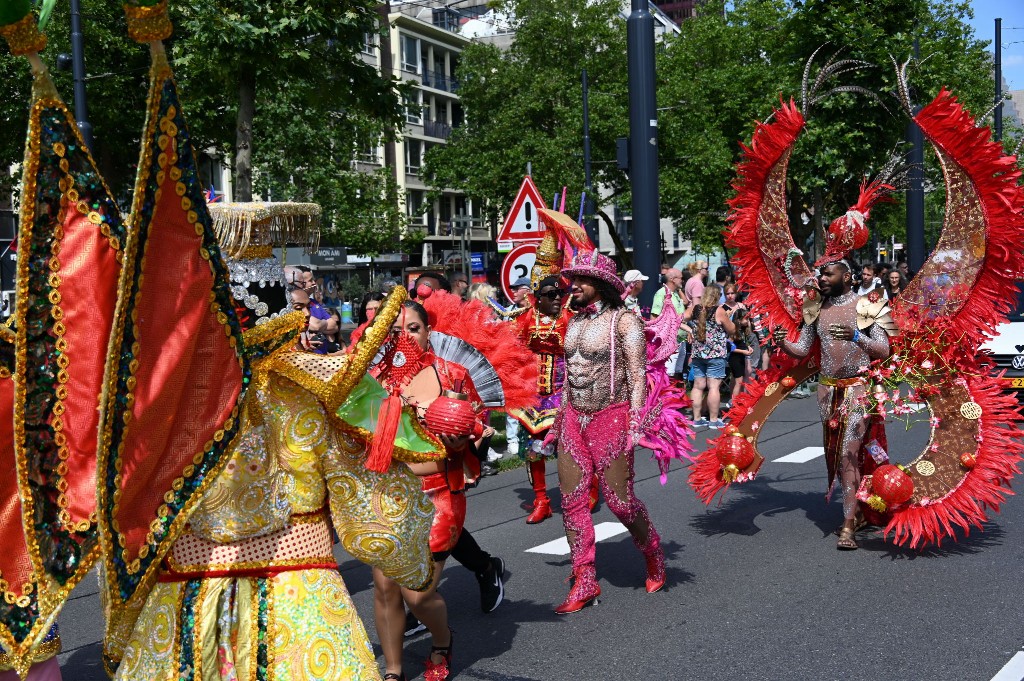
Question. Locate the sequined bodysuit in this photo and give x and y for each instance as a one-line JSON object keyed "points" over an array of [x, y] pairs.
{"points": [[844, 419], [605, 390]]}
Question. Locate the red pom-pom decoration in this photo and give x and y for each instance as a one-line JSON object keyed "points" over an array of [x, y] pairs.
{"points": [[736, 454], [788, 382], [450, 414], [892, 485], [967, 460], [731, 429]]}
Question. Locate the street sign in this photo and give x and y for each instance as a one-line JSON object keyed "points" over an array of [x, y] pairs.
{"points": [[522, 222], [517, 264]]}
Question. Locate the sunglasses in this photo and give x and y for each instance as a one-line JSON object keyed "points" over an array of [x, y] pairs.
{"points": [[552, 295]]}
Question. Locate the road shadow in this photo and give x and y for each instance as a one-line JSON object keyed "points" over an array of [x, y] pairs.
{"points": [[476, 636], [622, 565], [962, 545], [737, 513], [84, 664]]}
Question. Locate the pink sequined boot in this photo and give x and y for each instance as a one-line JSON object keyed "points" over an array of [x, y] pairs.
{"points": [[585, 590], [654, 557]]}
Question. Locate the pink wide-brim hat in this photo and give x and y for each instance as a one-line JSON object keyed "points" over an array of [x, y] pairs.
{"points": [[596, 266]]}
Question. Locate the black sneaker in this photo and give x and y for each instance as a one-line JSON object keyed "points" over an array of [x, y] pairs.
{"points": [[492, 587], [412, 625]]}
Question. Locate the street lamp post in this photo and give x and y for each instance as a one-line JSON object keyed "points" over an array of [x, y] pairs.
{"points": [[643, 144], [78, 72]]}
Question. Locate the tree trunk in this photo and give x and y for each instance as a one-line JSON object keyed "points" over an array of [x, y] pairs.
{"points": [[243, 134]]}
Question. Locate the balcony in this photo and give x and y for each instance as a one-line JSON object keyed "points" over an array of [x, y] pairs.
{"points": [[439, 81], [437, 129]]}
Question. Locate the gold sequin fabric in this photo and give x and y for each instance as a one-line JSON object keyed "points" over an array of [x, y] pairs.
{"points": [[147, 24], [23, 36], [291, 460]]}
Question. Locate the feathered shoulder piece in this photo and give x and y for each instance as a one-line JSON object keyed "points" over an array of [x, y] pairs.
{"points": [[969, 280], [758, 227], [473, 322]]}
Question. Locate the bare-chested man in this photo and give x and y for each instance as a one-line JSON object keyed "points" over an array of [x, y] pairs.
{"points": [[599, 422]]}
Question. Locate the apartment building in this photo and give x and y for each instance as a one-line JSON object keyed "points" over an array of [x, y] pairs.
{"points": [[422, 47]]}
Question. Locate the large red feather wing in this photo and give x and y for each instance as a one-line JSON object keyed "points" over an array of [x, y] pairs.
{"points": [[970, 278], [474, 322], [769, 265]]}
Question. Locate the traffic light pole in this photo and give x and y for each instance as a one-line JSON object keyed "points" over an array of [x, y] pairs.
{"points": [[643, 146]]}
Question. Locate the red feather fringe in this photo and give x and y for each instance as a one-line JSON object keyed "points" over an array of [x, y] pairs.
{"points": [[706, 473], [474, 322], [985, 486], [769, 146], [995, 177]]}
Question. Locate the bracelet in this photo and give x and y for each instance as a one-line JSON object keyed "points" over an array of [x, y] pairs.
{"points": [[856, 335]]}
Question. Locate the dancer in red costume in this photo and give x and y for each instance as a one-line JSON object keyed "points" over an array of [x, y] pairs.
{"points": [[543, 330], [601, 421]]}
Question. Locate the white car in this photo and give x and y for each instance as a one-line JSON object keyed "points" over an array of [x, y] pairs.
{"points": [[1007, 347]]}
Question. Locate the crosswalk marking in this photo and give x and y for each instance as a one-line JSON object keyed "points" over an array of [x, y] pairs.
{"points": [[560, 547], [802, 455], [1012, 670]]}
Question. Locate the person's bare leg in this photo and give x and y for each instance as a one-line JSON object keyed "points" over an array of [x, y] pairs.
{"points": [[714, 397], [430, 609], [737, 387], [697, 395], [389, 619]]}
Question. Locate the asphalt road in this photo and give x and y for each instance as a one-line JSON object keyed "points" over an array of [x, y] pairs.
{"points": [[756, 588]]}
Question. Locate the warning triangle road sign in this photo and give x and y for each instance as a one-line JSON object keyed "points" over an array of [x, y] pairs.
{"points": [[522, 222]]}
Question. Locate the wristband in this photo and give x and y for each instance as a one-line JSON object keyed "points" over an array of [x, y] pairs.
{"points": [[856, 335]]}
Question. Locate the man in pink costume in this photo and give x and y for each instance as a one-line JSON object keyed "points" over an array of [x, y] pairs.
{"points": [[599, 423]]}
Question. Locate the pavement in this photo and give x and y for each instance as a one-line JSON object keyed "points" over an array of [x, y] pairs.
{"points": [[756, 588]]}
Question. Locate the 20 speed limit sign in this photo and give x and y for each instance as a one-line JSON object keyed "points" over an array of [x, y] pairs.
{"points": [[518, 263]]}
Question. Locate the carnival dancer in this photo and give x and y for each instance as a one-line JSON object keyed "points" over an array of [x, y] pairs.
{"points": [[433, 373], [225, 456], [935, 333], [543, 331], [600, 423], [845, 350]]}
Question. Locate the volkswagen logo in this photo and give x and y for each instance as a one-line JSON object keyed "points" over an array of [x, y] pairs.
{"points": [[1018, 362]]}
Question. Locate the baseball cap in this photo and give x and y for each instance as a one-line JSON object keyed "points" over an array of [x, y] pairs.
{"points": [[521, 281], [632, 276]]}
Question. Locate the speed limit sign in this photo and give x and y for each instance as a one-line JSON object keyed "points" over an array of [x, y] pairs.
{"points": [[518, 263]]}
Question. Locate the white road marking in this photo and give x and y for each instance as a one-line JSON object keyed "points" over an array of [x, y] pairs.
{"points": [[560, 547], [802, 455], [917, 406], [1012, 670]]}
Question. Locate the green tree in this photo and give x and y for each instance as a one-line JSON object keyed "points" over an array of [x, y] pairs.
{"points": [[277, 88], [524, 105], [728, 69]]}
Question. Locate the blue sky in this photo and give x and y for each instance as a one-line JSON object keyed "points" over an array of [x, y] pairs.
{"points": [[1012, 14]]}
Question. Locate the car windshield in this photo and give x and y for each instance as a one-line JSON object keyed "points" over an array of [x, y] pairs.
{"points": [[1017, 314]]}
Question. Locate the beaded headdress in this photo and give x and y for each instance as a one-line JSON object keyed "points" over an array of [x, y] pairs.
{"points": [[247, 234]]}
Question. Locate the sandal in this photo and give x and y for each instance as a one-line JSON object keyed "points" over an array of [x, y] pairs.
{"points": [[846, 541], [439, 671], [859, 524]]}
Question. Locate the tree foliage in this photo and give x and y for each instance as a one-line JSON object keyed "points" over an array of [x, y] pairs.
{"points": [[524, 104], [276, 88], [725, 69]]}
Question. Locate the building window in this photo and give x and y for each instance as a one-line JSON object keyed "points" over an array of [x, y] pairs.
{"points": [[410, 54], [414, 208], [369, 43], [369, 152], [414, 108], [413, 156]]}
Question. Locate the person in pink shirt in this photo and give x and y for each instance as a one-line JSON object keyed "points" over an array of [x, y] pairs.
{"points": [[694, 288]]}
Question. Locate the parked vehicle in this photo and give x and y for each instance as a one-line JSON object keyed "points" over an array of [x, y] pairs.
{"points": [[1007, 347]]}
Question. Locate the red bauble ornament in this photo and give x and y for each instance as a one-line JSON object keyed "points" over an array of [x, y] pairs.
{"points": [[892, 485], [967, 460], [450, 414], [788, 382], [736, 454], [731, 430]]}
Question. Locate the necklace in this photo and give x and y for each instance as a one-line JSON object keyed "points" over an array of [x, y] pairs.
{"points": [[539, 331]]}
